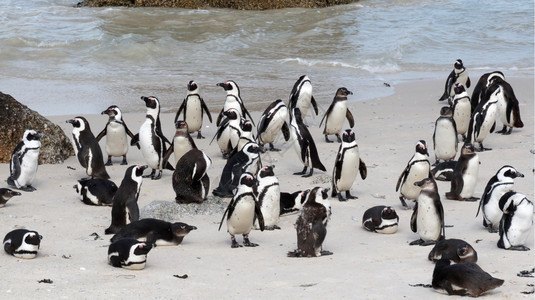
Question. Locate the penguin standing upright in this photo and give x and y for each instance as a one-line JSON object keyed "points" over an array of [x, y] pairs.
{"points": [[233, 100], [417, 169], [242, 211], [181, 143], [458, 74], [22, 243], [304, 145], [24, 161], [335, 115], [193, 106], [462, 111], [271, 122], [190, 179], [516, 222], [465, 174], [229, 131], [483, 120], [346, 166], [125, 209], [246, 135], [129, 253], [268, 194], [87, 148], [115, 132], [445, 139], [508, 107], [484, 82], [6, 194], [428, 216], [151, 140], [497, 186], [301, 96]]}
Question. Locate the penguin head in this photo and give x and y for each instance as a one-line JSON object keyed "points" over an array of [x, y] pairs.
{"points": [[181, 125], [467, 149], [79, 123], [181, 229], [143, 248], [421, 147], [495, 77], [252, 148], [348, 136], [508, 172], [458, 64], [7, 194], [342, 93], [246, 125], [247, 179], [113, 112], [32, 135], [33, 238], [135, 171], [426, 184], [466, 253], [446, 111], [192, 86], [458, 88], [230, 86], [151, 102], [389, 213], [231, 114], [266, 171]]}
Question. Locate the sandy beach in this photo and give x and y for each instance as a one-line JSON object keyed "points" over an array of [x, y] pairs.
{"points": [[364, 265]]}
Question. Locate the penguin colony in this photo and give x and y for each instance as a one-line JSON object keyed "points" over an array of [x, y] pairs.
{"points": [[256, 200]]}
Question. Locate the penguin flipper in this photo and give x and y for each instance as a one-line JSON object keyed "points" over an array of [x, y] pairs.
{"points": [[314, 104], [246, 112], [218, 121], [493, 127], [414, 216], [135, 140], [182, 106], [468, 82], [133, 210], [130, 134], [102, 133], [259, 216], [350, 118], [228, 213], [441, 212], [206, 110], [285, 131], [168, 154], [402, 177], [327, 113], [15, 166], [363, 170]]}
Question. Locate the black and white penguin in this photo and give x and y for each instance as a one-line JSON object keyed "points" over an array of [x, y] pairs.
{"points": [[462, 110], [267, 192], [228, 133], [155, 231], [246, 135], [465, 175], [417, 169], [242, 211], [444, 171], [291, 202], [233, 100], [497, 186], [458, 74], [87, 149], [193, 107], [428, 216], [304, 145], [301, 97], [24, 161], [125, 209], [445, 139], [181, 143], [516, 222], [190, 179], [152, 142], [483, 120], [346, 167], [463, 279], [22, 243], [508, 107], [484, 82], [245, 160], [381, 219], [115, 132], [311, 225], [335, 115], [272, 121], [453, 249], [129, 253], [96, 191], [6, 194]]}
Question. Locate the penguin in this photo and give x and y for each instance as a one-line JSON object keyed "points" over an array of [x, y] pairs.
{"points": [[335, 114], [182, 142], [115, 132], [346, 166], [496, 187], [87, 149], [508, 107], [463, 279], [311, 225], [6, 194], [304, 145], [267, 192], [96, 191], [125, 209], [484, 82], [151, 140], [458, 74], [462, 111], [417, 169], [129, 253], [241, 212], [483, 120], [246, 135], [243, 161], [381, 219], [22, 243], [290, 203], [193, 106], [516, 222], [445, 139], [24, 161], [453, 249], [444, 171], [228, 133], [155, 231], [465, 174], [273, 121], [233, 100], [301, 97], [428, 216], [190, 179]]}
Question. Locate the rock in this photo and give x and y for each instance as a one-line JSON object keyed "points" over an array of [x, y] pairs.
{"points": [[15, 118], [172, 211], [235, 4]]}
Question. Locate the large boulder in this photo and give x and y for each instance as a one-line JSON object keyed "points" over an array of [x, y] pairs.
{"points": [[15, 118], [235, 4]]}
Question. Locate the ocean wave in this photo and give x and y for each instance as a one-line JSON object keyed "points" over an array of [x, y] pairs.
{"points": [[372, 66]]}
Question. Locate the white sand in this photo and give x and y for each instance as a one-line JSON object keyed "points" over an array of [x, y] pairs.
{"points": [[364, 265]]}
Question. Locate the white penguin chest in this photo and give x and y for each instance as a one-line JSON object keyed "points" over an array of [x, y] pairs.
{"points": [[181, 146], [429, 223], [461, 115], [491, 211], [232, 102], [488, 122], [305, 99], [335, 120], [521, 223], [349, 171], [418, 171], [502, 110], [470, 177], [116, 141], [273, 128], [241, 220], [194, 114], [270, 196], [151, 156], [445, 140]]}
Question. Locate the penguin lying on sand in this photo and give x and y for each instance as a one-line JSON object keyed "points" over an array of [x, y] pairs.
{"points": [[96, 191], [381, 219], [154, 231], [6, 194], [129, 253], [22, 243], [453, 249]]}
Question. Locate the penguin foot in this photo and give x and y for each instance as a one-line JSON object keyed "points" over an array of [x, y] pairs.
{"points": [[325, 252], [199, 135], [108, 163], [519, 248], [124, 162], [247, 242], [471, 199], [309, 174], [235, 244], [157, 176], [27, 188], [338, 138], [327, 139], [302, 172], [274, 227], [340, 198], [492, 230], [403, 203], [416, 242], [222, 194], [151, 175], [349, 196], [428, 243]]}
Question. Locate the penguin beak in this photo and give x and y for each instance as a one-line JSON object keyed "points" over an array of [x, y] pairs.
{"points": [[190, 228], [13, 193], [70, 121]]}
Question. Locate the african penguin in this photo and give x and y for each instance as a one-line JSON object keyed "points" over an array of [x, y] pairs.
{"points": [[96, 191], [246, 135], [453, 249], [445, 136], [228, 133], [22, 243], [444, 171], [458, 74], [181, 143], [115, 132], [462, 111], [87, 149], [301, 97], [346, 167], [24, 161], [267, 192], [485, 81], [483, 120], [6, 194], [304, 145], [129, 253], [508, 107], [465, 175], [193, 106], [155, 231], [516, 222], [272, 121], [428, 216], [190, 179], [381, 219], [417, 169], [335, 115], [290, 203], [233, 100]]}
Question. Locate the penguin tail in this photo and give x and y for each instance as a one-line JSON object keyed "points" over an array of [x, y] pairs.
{"points": [[444, 96]]}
